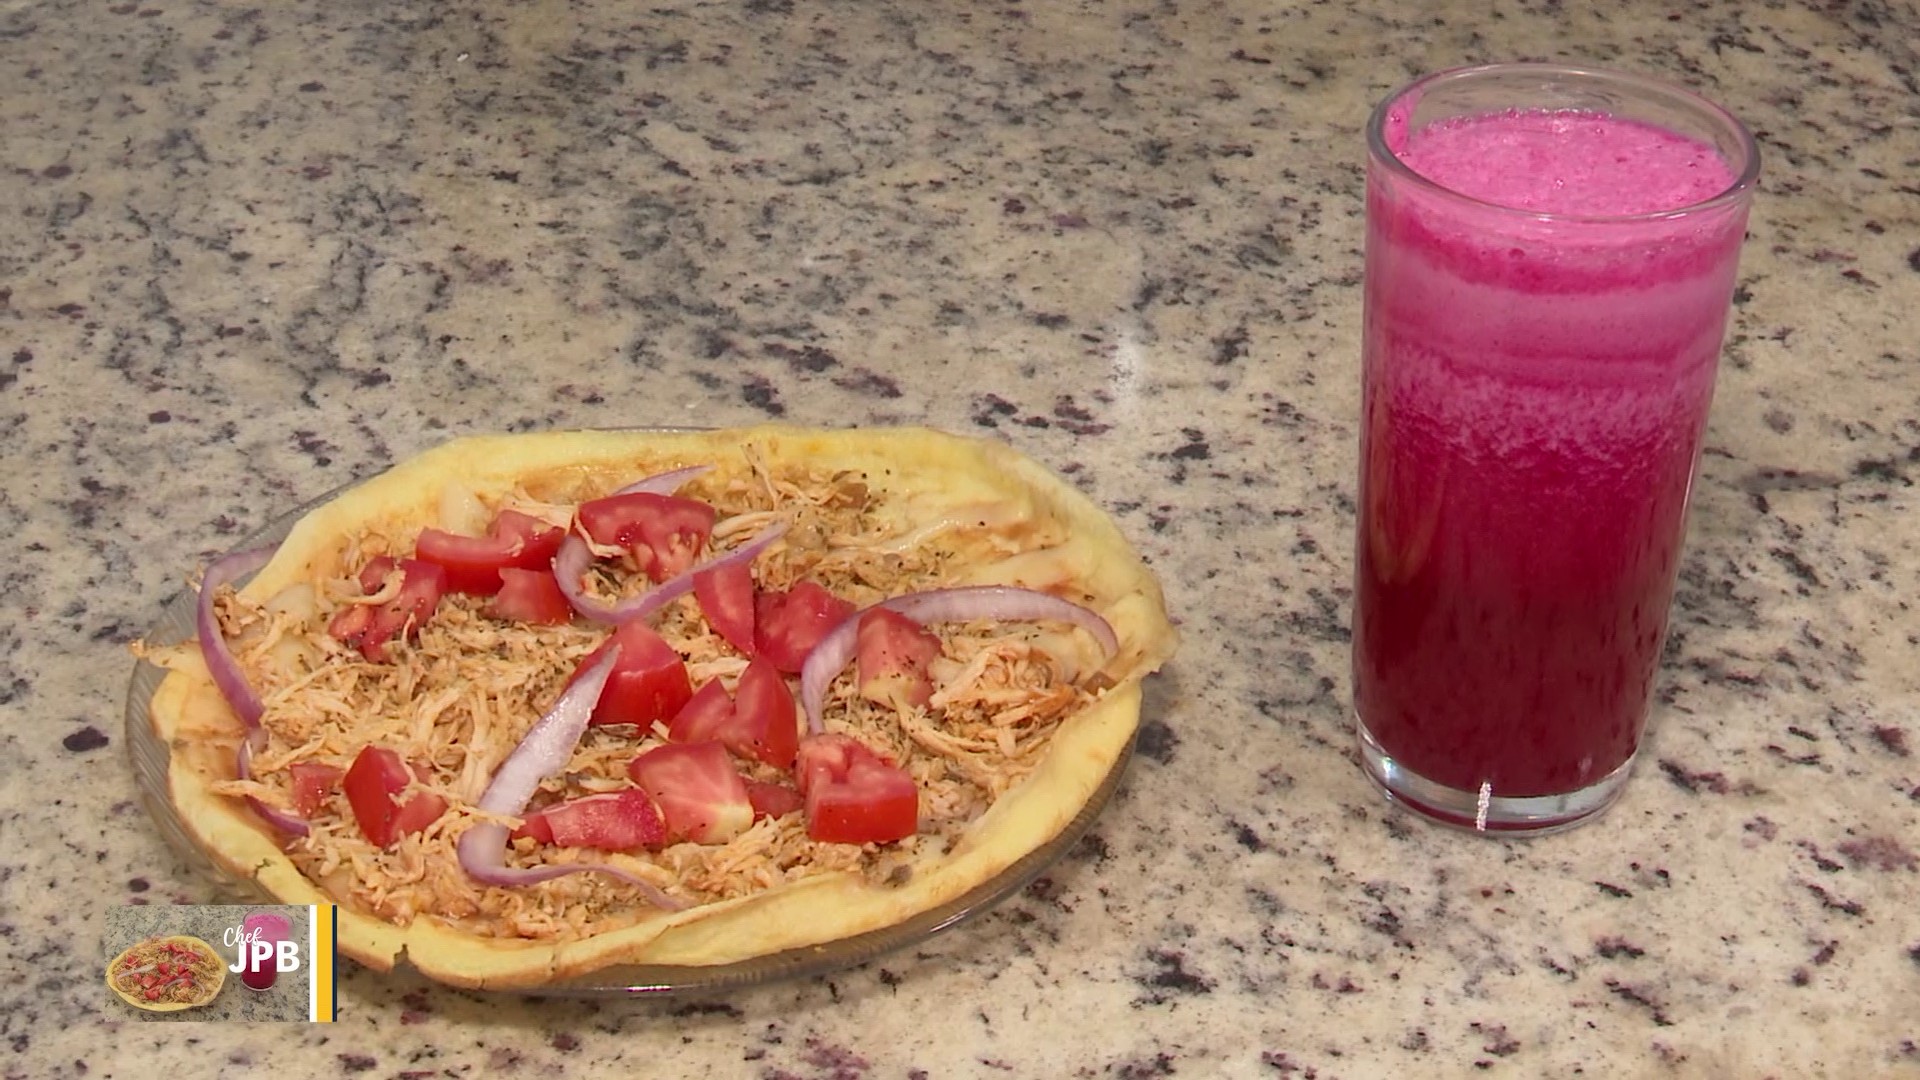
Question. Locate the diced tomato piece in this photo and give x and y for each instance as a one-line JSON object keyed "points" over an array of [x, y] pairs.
{"points": [[151, 994], [422, 584], [697, 788], [772, 800], [761, 722], [892, 654], [617, 821], [787, 625], [417, 813], [351, 623], [530, 596], [369, 627], [373, 576], [474, 563], [649, 681], [373, 782], [312, 783], [534, 825], [766, 723], [665, 533], [725, 594], [826, 756], [705, 717], [854, 796]]}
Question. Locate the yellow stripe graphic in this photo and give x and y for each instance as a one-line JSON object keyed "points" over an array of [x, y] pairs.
{"points": [[322, 922]]}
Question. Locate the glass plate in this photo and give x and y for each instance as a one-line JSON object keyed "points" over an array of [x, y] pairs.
{"points": [[150, 760]]}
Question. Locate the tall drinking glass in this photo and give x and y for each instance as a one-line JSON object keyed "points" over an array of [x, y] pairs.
{"points": [[1550, 262], [270, 927]]}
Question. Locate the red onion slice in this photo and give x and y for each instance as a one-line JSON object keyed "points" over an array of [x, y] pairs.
{"points": [[225, 670], [571, 564], [547, 746], [665, 483], [544, 751], [231, 681], [483, 853], [272, 815], [830, 656]]}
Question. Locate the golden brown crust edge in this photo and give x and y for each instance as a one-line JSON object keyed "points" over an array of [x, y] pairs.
{"points": [[189, 714]]}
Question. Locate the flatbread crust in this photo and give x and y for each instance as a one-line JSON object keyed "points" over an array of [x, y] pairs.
{"points": [[939, 472]]}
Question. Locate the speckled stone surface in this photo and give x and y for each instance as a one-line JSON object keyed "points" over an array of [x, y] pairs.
{"points": [[288, 999], [251, 252]]}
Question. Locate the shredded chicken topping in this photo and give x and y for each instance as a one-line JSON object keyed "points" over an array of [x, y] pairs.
{"points": [[457, 700]]}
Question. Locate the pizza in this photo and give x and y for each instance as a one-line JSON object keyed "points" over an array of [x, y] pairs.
{"points": [[167, 974], [529, 706]]}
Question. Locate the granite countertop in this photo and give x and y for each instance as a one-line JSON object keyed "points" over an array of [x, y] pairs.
{"points": [[252, 252]]}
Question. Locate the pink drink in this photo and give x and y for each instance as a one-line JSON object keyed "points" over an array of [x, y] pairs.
{"points": [[1535, 392], [262, 926]]}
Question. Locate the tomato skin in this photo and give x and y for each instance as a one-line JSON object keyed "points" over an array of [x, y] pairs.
{"points": [[529, 596], [664, 533], [773, 800], [376, 776], [766, 721], [649, 681], [312, 783], [891, 654], [725, 594], [616, 821], [473, 563], [368, 627], [705, 717], [702, 796], [787, 625], [853, 795]]}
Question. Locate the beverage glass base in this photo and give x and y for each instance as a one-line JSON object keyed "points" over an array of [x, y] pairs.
{"points": [[1482, 811]]}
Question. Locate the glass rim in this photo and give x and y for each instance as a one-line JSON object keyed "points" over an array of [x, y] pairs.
{"points": [[1744, 181]]}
